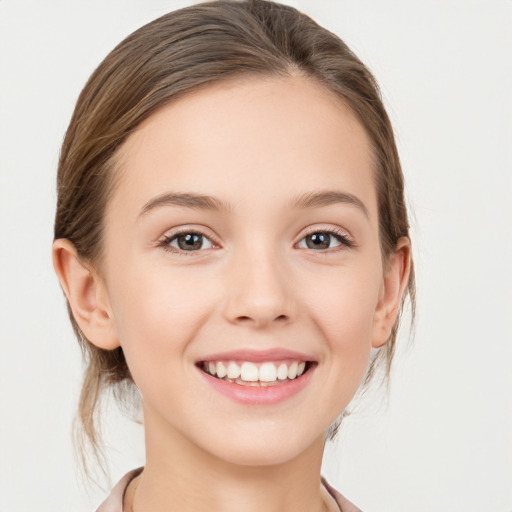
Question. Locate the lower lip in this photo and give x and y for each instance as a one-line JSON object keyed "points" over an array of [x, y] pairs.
{"points": [[258, 395]]}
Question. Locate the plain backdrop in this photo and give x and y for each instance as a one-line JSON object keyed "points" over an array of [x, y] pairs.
{"points": [[443, 440]]}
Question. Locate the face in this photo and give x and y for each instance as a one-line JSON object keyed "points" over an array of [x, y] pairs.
{"points": [[242, 241]]}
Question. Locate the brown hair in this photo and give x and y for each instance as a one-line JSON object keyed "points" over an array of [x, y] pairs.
{"points": [[170, 57]]}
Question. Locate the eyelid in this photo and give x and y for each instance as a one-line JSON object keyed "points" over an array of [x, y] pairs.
{"points": [[319, 228], [345, 238], [171, 234]]}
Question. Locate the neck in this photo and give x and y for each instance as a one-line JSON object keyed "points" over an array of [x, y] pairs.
{"points": [[180, 476]]}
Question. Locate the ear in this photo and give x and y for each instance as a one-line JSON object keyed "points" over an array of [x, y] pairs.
{"points": [[86, 294], [394, 282]]}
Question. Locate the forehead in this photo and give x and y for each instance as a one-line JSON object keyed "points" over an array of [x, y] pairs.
{"points": [[246, 141]]}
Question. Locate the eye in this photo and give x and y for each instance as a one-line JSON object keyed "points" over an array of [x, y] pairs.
{"points": [[188, 241], [322, 240]]}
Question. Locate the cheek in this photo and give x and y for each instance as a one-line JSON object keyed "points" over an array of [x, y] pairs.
{"points": [[345, 314], [157, 315], [343, 310]]}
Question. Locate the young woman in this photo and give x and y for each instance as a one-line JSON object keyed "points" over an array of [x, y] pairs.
{"points": [[232, 240]]}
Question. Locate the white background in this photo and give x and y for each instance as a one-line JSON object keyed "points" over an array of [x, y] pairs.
{"points": [[444, 442]]}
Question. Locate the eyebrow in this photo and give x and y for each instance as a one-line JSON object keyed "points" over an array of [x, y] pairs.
{"points": [[327, 198], [204, 202], [188, 200]]}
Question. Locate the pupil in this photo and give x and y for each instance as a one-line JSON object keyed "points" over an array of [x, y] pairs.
{"points": [[190, 241], [318, 241]]}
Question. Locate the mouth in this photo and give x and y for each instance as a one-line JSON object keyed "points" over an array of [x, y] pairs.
{"points": [[257, 374]]}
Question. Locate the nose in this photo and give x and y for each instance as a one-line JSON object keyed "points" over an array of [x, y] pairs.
{"points": [[259, 292]]}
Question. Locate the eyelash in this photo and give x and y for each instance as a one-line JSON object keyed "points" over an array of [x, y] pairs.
{"points": [[165, 243], [345, 241]]}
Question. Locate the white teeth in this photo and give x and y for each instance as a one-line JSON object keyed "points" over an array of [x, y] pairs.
{"points": [[249, 372], [282, 372], [233, 370], [268, 372], [221, 370], [292, 371]]}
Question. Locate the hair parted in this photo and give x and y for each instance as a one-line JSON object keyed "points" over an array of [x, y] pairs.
{"points": [[175, 55]]}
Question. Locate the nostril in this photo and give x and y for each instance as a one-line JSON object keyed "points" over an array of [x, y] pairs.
{"points": [[246, 318], [262, 320]]}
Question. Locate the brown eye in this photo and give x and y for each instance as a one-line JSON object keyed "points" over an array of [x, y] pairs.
{"points": [[189, 242], [322, 240], [318, 241]]}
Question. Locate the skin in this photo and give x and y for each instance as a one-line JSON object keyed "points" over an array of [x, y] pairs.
{"points": [[254, 144]]}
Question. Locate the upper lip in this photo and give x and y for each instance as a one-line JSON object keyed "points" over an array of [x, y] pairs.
{"points": [[257, 356]]}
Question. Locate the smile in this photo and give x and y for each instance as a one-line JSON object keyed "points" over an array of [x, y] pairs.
{"points": [[262, 374], [258, 377]]}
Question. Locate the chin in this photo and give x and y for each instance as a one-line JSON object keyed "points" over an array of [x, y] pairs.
{"points": [[258, 456], [264, 447]]}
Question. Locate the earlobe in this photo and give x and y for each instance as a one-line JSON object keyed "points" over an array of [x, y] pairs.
{"points": [[392, 290], [86, 296]]}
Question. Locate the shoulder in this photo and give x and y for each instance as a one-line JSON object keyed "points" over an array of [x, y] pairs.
{"points": [[343, 503], [114, 501]]}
